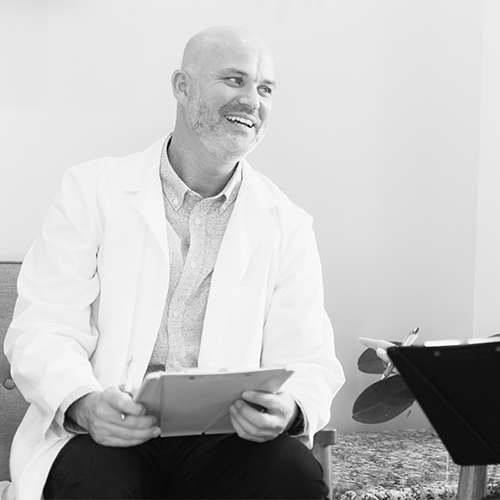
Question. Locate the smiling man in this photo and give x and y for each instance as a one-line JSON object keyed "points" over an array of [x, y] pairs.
{"points": [[181, 256]]}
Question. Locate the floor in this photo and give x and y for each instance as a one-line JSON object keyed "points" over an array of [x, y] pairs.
{"points": [[397, 465]]}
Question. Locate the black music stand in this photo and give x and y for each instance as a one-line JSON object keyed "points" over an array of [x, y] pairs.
{"points": [[458, 388]]}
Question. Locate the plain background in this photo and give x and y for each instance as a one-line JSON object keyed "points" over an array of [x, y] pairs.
{"points": [[385, 128]]}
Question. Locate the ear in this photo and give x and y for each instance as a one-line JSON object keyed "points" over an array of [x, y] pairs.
{"points": [[180, 83]]}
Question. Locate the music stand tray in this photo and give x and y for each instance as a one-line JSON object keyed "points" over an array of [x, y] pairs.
{"points": [[458, 388]]}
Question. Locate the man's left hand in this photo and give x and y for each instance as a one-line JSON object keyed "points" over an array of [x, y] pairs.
{"points": [[260, 416]]}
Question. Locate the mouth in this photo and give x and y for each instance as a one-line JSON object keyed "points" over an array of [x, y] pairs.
{"points": [[241, 121]]}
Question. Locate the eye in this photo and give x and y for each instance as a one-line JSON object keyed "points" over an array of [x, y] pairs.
{"points": [[235, 80], [268, 91]]}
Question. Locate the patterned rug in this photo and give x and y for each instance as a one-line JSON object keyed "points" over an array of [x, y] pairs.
{"points": [[397, 465]]}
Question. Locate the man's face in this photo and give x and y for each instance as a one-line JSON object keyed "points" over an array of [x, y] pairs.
{"points": [[230, 101]]}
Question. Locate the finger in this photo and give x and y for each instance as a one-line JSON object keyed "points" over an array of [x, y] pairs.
{"points": [[382, 354], [123, 403], [260, 401], [255, 423], [132, 393], [134, 433], [375, 343], [245, 429], [109, 434], [118, 442], [131, 408], [281, 405], [249, 418], [255, 414], [126, 411], [133, 422]]}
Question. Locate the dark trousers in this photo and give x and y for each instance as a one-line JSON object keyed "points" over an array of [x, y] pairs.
{"points": [[215, 466]]}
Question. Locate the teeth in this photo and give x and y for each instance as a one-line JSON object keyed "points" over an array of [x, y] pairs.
{"points": [[239, 119]]}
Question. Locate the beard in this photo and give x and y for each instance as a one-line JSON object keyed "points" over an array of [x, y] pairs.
{"points": [[208, 125]]}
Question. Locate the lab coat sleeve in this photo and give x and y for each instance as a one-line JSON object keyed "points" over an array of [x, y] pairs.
{"points": [[297, 331], [52, 335]]}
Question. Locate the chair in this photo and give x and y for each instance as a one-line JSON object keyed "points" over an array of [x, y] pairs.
{"points": [[11, 401], [14, 406]]}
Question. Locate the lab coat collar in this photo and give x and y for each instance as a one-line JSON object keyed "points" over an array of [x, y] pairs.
{"points": [[144, 179], [146, 169]]}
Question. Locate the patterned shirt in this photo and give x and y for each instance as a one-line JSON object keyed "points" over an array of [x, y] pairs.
{"points": [[195, 228]]}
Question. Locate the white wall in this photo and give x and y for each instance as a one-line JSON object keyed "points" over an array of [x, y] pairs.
{"points": [[376, 132], [487, 297]]}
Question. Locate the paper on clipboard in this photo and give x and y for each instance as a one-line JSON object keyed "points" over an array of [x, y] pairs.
{"points": [[198, 402]]}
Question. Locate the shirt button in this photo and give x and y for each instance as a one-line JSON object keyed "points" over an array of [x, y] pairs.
{"points": [[197, 221], [175, 201], [177, 364], [193, 265], [176, 314]]}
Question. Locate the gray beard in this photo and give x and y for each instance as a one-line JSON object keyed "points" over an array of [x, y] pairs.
{"points": [[216, 140]]}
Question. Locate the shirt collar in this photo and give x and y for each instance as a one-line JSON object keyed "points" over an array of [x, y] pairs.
{"points": [[175, 189], [232, 188]]}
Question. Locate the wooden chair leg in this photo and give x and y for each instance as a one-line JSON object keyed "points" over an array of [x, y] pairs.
{"points": [[472, 482], [322, 450]]}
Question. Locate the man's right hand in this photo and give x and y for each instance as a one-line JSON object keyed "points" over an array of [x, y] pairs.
{"points": [[113, 418]]}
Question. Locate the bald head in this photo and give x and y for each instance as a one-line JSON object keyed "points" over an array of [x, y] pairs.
{"points": [[218, 42], [224, 91]]}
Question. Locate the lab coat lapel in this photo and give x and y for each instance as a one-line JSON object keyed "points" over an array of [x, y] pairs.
{"points": [[145, 181], [247, 226], [144, 184]]}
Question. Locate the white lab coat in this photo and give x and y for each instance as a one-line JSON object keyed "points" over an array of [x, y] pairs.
{"points": [[93, 287]]}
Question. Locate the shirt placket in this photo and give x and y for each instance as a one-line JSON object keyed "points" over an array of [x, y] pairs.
{"points": [[192, 275]]}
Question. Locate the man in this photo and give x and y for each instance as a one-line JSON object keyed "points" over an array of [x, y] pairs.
{"points": [[181, 256]]}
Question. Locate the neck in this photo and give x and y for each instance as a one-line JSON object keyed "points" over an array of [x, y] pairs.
{"points": [[198, 169]]}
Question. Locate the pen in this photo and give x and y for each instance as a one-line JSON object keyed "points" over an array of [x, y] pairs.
{"points": [[411, 336], [129, 376], [260, 408]]}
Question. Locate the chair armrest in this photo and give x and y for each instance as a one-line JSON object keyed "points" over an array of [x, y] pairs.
{"points": [[323, 441]]}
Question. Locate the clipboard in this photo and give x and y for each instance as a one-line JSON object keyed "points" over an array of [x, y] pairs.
{"points": [[458, 388], [197, 402]]}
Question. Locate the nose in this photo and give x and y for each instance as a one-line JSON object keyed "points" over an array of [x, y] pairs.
{"points": [[250, 97]]}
